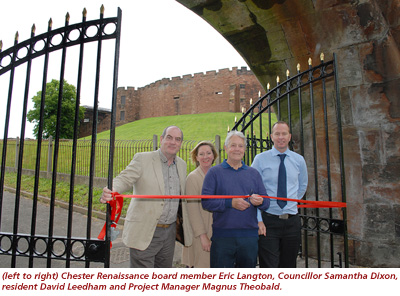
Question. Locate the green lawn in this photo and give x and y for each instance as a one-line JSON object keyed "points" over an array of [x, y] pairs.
{"points": [[194, 126], [81, 192]]}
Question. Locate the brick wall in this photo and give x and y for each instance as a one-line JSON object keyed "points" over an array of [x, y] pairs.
{"points": [[215, 91]]}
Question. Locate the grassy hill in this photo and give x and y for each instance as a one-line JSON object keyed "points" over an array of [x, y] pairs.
{"points": [[194, 126]]}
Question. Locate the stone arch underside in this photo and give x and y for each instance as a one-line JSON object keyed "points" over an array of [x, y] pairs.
{"points": [[273, 36]]}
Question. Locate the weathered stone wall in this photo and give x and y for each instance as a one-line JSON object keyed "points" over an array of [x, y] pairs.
{"points": [[86, 125], [215, 91], [275, 35]]}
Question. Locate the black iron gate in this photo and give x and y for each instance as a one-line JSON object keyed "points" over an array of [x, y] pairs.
{"points": [[310, 103], [38, 247]]}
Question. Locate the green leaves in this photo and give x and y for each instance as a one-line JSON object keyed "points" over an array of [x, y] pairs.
{"points": [[67, 114]]}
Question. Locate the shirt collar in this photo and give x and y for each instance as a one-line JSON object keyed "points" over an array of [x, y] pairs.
{"points": [[226, 165], [277, 152], [163, 157]]}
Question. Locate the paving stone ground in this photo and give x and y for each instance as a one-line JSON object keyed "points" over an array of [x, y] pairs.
{"points": [[119, 255]]}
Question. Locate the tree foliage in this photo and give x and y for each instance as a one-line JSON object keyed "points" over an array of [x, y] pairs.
{"points": [[50, 111]]}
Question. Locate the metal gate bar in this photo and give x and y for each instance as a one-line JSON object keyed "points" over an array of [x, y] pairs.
{"points": [[93, 250], [341, 160], [314, 141], [56, 146], [314, 222], [74, 145]]}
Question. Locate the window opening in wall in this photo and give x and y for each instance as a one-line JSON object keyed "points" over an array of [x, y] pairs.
{"points": [[176, 97], [122, 115], [123, 100], [243, 86], [218, 92]]}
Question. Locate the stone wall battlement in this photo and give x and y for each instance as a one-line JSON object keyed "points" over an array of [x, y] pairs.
{"points": [[201, 75], [224, 90]]}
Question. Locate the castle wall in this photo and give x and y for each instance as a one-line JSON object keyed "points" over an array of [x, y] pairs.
{"points": [[215, 91], [131, 99]]}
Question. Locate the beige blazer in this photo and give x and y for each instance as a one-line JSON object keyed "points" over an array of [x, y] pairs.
{"points": [[144, 176]]}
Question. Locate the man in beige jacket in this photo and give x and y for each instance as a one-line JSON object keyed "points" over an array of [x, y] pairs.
{"points": [[150, 224]]}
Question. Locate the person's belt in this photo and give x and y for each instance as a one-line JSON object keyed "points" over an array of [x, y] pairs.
{"points": [[283, 216], [163, 225]]}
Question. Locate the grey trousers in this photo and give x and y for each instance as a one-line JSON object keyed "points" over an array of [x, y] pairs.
{"points": [[160, 252]]}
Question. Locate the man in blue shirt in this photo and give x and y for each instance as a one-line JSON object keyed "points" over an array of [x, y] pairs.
{"points": [[235, 225], [280, 225]]}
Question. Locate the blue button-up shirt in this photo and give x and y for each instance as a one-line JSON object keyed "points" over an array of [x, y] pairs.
{"points": [[267, 163]]}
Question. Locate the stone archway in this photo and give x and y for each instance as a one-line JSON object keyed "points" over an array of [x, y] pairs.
{"points": [[273, 36]]}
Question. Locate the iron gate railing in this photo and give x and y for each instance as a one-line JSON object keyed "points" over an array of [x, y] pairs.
{"points": [[51, 246], [310, 103]]}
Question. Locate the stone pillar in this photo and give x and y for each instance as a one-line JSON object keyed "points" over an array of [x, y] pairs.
{"points": [[275, 35]]}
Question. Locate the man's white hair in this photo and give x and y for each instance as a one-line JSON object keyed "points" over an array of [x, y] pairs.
{"points": [[235, 133]]}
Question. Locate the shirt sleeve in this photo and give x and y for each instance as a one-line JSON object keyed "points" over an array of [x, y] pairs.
{"points": [[262, 191], [303, 179], [255, 164], [259, 217]]}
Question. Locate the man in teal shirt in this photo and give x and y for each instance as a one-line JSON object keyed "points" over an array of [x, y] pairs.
{"points": [[280, 225]]}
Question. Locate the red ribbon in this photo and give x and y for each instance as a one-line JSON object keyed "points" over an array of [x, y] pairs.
{"points": [[118, 201], [311, 203], [116, 205]]}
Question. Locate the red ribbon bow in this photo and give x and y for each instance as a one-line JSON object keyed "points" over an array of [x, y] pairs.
{"points": [[116, 205]]}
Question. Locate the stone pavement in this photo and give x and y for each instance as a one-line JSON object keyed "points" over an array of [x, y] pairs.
{"points": [[119, 253]]}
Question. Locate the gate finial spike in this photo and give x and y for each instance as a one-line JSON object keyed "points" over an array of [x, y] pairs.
{"points": [[16, 36], [102, 9], [1, 44], [67, 17], [322, 56], [298, 67], [84, 12], [229, 129], [287, 73], [251, 101], [277, 79], [259, 93], [309, 61], [33, 30], [50, 23]]}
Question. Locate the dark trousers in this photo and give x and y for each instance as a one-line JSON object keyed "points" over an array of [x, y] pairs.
{"points": [[279, 248], [232, 252]]}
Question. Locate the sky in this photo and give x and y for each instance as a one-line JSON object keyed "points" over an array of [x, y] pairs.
{"points": [[159, 39]]}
